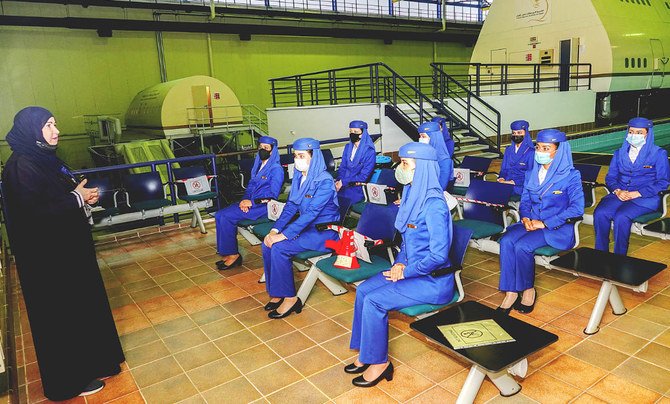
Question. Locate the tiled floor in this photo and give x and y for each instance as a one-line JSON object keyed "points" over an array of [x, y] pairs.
{"points": [[194, 334]]}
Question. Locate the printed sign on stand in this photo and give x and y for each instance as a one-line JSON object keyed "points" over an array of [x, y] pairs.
{"points": [[376, 194], [197, 185], [462, 177], [275, 209]]}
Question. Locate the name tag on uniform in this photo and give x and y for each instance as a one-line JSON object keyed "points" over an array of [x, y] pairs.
{"points": [[411, 226], [522, 164], [647, 166], [558, 192], [264, 177], [308, 196]]}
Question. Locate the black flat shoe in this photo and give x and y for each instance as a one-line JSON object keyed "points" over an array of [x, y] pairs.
{"points": [[297, 308], [273, 305], [513, 306], [522, 308], [221, 266], [353, 369], [386, 374], [92, 388]]}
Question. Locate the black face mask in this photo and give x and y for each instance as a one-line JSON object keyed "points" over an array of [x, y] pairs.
{"points": [[517, 139], [354, 137], [263, 154]]}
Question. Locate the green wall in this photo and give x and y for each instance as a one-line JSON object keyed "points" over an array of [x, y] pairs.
{"points": [[74, 72]]}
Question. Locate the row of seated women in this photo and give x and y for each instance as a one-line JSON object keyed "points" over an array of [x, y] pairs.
{"points": [[551, 194]]}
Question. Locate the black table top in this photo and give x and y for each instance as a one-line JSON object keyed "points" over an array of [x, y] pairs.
{"points": [[493, 358], [606, 265], [660, 226]]}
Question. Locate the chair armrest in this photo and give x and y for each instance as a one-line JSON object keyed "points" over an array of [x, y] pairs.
{"points": [[378, 243], [664, 193], [324, 226], [491, 173], [574, 219], [445, 271], [261, 201]]}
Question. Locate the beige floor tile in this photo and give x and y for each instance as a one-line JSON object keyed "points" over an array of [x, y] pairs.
{"points": [[434, 395], [614, 389], [302, 392], [237, 342], [588, 399], [545, 389], [209, 315], [273, 377], [253, 358], [407, 348], [598, 355], [638, 326], [619, 340], [185, 340], [645, 374], [170, 390], [146, 353], [156, 371], [213, 374], [221, 328], [235, 391], [406, 383], [574, 372], [198, 356], [652, 313], [454, 384], [323, 330], [368, 396], [290, 343], [657, 354], [312, 360], [436, 366], [333, 381]]}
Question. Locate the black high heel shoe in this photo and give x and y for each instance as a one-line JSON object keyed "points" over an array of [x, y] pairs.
{"points": [[522, 308], [273, 305], [353, 369], [386, 374], [297, 308], [513, 306], [221, 266]]}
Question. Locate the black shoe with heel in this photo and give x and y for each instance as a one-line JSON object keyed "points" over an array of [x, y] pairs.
{"points": [[297, 308], [353, 369], [522, 308], [221, 266], [513, 306], [386, 374], [273, 305]]}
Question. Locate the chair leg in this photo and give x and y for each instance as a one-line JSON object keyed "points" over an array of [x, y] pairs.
{"points": [[308, 283], [332, 284], [198, 219]]}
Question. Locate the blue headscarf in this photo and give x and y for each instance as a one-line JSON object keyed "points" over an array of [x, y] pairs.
{"points": [[527, 142], [26, 137], [432, 129], [424, 185], [559, 167], [316, 171], [272, 160], [647, 150], [365, 143], [445, 128]]}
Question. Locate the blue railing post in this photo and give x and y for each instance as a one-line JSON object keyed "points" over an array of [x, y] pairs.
{"points": [[478, 69], [390, 7], [334, 5]]}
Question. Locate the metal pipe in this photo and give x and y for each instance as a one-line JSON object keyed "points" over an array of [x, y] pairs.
{"points": [[161, 51], [210, 54]]}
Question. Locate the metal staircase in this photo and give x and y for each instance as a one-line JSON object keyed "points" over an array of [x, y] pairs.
{"points": [[409, 101]]}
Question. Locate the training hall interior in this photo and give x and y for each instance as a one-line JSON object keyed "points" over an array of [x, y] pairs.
{"points": [[334, 201]]}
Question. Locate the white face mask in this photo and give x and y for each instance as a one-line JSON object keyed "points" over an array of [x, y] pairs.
{"points": [[424, 140], [301, 164]]}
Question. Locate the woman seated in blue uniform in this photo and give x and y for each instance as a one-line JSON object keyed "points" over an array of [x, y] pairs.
{"points": [[314, 198], [430, 133], [267, 178], [552, 194], [358, 162], [425, 224], [518, 157], [637, 173], [448, 141]]}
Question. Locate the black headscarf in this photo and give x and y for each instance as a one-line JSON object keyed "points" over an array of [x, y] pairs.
{"points": [[26, 137]]}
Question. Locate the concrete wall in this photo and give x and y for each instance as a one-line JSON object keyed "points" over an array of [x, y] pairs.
{"points": [[332, 122], [542, 110]]}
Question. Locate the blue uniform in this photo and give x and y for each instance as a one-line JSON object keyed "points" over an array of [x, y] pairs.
{"points": [[426, 233], [515, 162], [448, 140], [360, 168], [558, 198], [444, 160], [265, 183], [648, 175], [315, 202]]}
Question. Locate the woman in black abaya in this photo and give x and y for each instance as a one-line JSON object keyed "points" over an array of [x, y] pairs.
{"points": [[72, 325]]}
